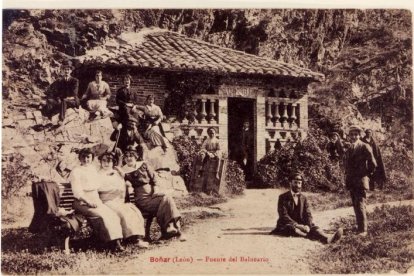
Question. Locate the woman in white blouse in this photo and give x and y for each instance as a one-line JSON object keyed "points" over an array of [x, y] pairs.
{"points": [[112, 191], [97, 95], [84, 180]]}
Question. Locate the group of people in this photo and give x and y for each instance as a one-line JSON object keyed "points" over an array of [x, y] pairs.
{"points": [[100, 191], [361, 164], [337, 149]]}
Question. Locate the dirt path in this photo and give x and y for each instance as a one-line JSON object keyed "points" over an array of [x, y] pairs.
{"points": [[241, 236]]}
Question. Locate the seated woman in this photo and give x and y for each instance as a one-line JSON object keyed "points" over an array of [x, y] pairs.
{"points": [[153, 130], [85, 184], [147, 198], [112, 193], [96, 97], [210, 149]]}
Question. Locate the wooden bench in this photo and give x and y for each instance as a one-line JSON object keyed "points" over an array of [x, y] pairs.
{"points": [[66, 201]]}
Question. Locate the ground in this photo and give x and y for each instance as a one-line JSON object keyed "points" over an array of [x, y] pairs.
{"points": [[243, 232]]}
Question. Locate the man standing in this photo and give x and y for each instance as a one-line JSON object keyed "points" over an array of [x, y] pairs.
{"points": [[247, 151], [379, 174], [126, 100], [295, 218], [359, 165], [63, 93]]}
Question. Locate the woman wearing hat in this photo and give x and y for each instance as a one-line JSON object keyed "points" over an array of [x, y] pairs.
{"points": [[85, 185], [112, 193], [153, 117], [143, 180]]}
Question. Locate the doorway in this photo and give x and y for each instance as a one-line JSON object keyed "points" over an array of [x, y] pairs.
{"points": [[242, 144]]}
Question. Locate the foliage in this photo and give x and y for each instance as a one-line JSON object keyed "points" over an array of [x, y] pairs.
{"points": [[15, 175], [186, 149], [387, 247], [321, 174], [235, 183], [198, 199], [182, 87]]}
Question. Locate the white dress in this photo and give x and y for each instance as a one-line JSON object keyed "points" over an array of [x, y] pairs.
{"points": [[112, 193], [85, 183]]}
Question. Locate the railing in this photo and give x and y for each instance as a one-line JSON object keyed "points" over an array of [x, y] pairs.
{"points": [[282, 114], [282, 122], [205, 114]]}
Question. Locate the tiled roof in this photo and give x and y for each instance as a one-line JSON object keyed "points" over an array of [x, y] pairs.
{"points": [[173, 51]]}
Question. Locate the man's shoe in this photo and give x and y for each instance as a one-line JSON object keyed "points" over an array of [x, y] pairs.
{"points": [[336, 237]]}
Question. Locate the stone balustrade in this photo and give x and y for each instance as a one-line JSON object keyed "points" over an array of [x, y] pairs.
{"points": [[282, 122], [206, 114]]}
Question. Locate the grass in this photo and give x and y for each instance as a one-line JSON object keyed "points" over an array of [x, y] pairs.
{"points": [[26, 253], [328, 201], [198, 200], [389, 245]]}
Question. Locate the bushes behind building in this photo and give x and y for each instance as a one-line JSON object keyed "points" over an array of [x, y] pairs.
{"points": [[187, 150], [321, 174]]}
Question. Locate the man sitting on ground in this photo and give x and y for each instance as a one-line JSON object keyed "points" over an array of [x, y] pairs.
{"points": [[295, 218]]}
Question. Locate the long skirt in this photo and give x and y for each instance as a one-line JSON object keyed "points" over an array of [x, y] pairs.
{"points": [[163, 206], [155, 137], [109, 227], [132, 221]]}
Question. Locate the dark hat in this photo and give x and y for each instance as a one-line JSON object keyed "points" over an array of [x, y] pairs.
{"points": [[355, 128], [85, 152], [109, 154], [67, 64], [131, 149], [297, 176], [368, 130]]}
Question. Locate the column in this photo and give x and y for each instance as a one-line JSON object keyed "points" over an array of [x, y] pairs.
{"points": [[203, 113], [195, 113], [284, 115], [223, 125], [212, 114], [277, 116], [260, 128], [293, 116], [269, 113]]}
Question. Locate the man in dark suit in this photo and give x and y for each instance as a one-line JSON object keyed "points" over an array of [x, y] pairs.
{"points": [[63, 93], [360, 163], [295, 218], [378, 177], [247, 142]]}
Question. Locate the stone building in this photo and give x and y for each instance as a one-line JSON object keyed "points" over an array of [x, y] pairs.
{"points": [[271, 95]]}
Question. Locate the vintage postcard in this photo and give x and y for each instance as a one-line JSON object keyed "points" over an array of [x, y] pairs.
{"points": [[247, 138]]}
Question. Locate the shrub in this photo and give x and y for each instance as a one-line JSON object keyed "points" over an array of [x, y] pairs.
{"points": [[15, 175], [306, 157], [387, 246], [186, 149], [235, 183]]}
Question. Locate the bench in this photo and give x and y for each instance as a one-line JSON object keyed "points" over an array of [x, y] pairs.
{"points": [[66, 201]]}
